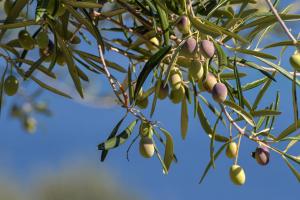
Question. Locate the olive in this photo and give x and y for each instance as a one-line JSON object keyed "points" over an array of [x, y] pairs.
{"points": [[29, 124], [262, 155], [175, 78], [196, 70], [146, 129], [237, 175], [141, 100], [219, 92], [163, 91], [11, 85], [231, 150], [207, 48], [183, 62], [295, 61], [177, 95], [189, 48], [60, 58], [146, 147], [184, 25], [25, 40], [154, 43], [42, 40], [209, 82]]}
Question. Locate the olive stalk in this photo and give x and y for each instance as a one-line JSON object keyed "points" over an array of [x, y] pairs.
{"points": [[281, 22]]}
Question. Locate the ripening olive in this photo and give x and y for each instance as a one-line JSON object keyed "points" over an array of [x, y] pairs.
{"points": [[42, 40], [237, 175], [25, 40], [189, 48], [219, 92], [175, 78], [29, 124], [295, 61], [177, 95], [11, 85], [146, 147], [231, 150], [55, 9], [209, 82], [262, 155], [154, 43], [8, 4], [183, 62], [184, 25], [196, 70], [163, 91], [207, 48]]}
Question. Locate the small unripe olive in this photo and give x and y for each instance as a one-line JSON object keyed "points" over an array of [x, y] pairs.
{"points": [[196, 70], [189, 48], [237, 175], [60, 59], [175, 79], [231, 150], [163, 91], [207, 48], [42, 40], [262, 155], [29, 124], [209, 82], [146, 147], [154, 43], [177, 95], [184, 25], [295, 61], [11, 85], [219, 92], [48, 51], [141, 100], [183, 62], [25, 40], [8, 4]]}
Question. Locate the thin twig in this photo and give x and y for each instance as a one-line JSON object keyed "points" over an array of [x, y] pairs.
{"points": [[282, 23]]}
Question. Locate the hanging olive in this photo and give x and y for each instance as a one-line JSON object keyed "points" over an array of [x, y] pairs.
{"points": [[11, 85]]}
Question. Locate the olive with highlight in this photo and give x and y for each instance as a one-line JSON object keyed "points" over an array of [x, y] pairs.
{"points": [[146, 147], [219, 92]]}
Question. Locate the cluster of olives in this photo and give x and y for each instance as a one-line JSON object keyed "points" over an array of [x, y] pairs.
{"points": [[146, 145], [236, 172]]}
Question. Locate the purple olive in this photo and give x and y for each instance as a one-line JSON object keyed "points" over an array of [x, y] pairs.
{"points": [[207, 48], [219, 92], [262, 155], [189, 48], [184, 25]]}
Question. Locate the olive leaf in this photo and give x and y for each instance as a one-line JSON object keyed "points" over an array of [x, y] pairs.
{"points": [[119, 139], [169, 150], [184, 118]]}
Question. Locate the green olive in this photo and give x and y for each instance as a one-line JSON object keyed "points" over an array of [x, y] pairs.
{"points": [[146, 147], [42, 40], [155, 43], [237, 175], [231, 150], [196, 70], [60, 59], [175, 78], [163, 91], [177, 95], [295, 61], [146, 129], [25, 40], [11, 85]]}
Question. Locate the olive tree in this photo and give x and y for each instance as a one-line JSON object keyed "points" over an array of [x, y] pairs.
{"points": [[181, 50]]}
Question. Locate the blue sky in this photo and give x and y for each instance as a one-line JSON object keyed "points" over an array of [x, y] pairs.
{"points": [[75, 130]]}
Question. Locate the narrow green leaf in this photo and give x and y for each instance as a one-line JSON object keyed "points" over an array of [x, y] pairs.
{"points": [[239, 110], [169, 150], [238, 85], [209, 165], [184, 118], [206, 126], [112, 134], [149, 66], [289, 130], [283, 43], [295, 172], [255, 53], [119, 139]]}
